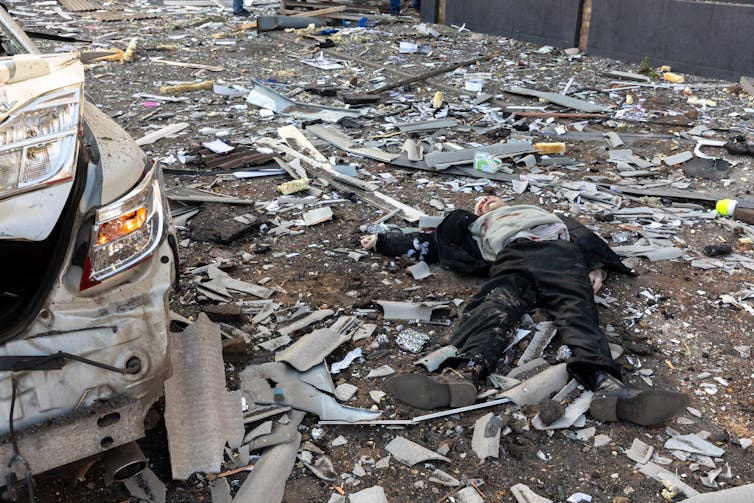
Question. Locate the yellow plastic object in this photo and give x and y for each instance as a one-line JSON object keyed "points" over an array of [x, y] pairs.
{"points": [[673, 77], [437, 100], [726, 207], [130, 50], [189, 86], [293, 186], [550, 148], [117, 55]]}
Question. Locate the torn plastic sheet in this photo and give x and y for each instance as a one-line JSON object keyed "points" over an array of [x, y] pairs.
{"points": [[290, 390], [421, 311], [264, 97], [560, 99], [346, 361]]}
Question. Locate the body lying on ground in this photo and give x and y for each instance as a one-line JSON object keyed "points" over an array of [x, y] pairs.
{"points": [[533, 259]]}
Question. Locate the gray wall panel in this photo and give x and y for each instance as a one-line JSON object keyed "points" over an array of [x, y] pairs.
{"points": [[712, 39], [553, 22]]}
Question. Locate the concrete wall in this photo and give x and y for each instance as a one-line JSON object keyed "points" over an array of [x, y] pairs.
{"points": [[553, 22], [712, 39]]}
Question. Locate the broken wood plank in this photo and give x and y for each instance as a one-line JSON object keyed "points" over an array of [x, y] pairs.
{"points": [[196, 66], [161, 133], [315, 13], [435, 72]]}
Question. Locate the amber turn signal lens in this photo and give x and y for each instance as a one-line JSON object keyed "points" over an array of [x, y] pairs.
{"points": [[121, 226]]}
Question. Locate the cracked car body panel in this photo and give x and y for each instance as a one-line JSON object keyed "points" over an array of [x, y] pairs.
{"points": [[93, 256]]}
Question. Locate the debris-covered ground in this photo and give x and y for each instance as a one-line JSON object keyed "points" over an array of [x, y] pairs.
{"points": [[643, 164]]}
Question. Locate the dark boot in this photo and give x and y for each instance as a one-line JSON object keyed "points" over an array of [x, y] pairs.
{"points": [[614, 400], [452, 389]]}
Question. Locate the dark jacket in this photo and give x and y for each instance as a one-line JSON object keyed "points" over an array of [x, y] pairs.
{"points": [[453, 247]]}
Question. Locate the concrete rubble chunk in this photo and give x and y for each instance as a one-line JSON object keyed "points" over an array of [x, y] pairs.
{"points": [[694, 444], [246, 287], [524, 494], [560, 99], [601, 440], [336, 498], [573, 411], [201, 416], [433, 360], [317, 216], [280, 434], [740, 494], [289, 390], [410, 453], [265, 97], [640, 452], [344, 392], [339, 139], [485, 440], [541, 386], [545, 332], [312, 348], [662, 475], [319, 377], [420, 270], [377, 396], [679, 158], [502, 382], [421, 311], [445, 479], [270, 474], [220, 490], [322, 468], [374, 494], [382, 371], [310, 319], [465, 156], [146, 486], [263, 429], [468, 495]]}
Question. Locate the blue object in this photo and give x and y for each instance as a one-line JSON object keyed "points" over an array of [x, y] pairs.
{"points": [[329, 31], [237, 5], [395, 6]]}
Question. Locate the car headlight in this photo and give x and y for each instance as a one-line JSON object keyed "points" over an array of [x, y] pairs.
{"points": [[38, 142], [127, 230]]}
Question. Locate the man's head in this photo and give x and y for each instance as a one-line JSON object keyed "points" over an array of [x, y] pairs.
{"points": [[487, 204]]}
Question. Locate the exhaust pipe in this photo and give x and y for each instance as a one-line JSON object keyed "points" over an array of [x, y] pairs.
{"points": [[123, 462]]}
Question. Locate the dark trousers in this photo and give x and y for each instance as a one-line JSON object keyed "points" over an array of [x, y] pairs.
{"points": [[527, 274]]}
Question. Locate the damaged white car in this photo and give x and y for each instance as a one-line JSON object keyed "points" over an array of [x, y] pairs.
{"points": [[88, 252]]}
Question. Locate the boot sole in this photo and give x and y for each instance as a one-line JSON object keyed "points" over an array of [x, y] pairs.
{"points": [[649, 407], [426, 393]]}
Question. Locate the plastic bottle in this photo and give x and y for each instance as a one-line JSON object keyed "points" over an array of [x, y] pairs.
{"points": [[729, 208]]}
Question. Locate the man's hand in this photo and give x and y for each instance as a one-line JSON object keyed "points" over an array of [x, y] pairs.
{"points": [[369, 241], [595, 277]]}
